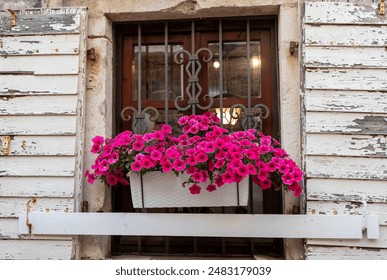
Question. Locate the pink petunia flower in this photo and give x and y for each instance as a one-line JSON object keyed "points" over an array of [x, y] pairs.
{"points": [[205, 175], [235, 164], [219, 181], [191, 151], [191, 170], [113, 158], [183, 120], [243, 170], [271, 166], [251, 169], [156, 155], [266, 184], [195, 189], [202, 157], [98, 140], [191, 160], [112, 180], [297, 175], [91, 178], [283, 167], [250, 154], [138, 145], [219, 164], [228, 177], [95, 149], [211, 187], [148, 163], [103, 165], [221, 155], [287, 178], [197, 177], [166, 129], [179, 165], [166, 166], [262, 175], [209, 147], [136, 166]]}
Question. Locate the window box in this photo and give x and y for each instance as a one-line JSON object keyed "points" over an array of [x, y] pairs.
{"points": [[161, 190]]}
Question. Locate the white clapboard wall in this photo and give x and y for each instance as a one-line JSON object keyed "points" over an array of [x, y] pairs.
{"points": [[345, 119], [42, 89]]}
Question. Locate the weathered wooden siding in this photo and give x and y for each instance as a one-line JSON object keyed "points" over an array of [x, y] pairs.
{"points": [[42, 86], [345, 120]]}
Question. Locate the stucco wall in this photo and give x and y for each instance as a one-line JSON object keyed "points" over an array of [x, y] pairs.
{"points": [[99, 96]]}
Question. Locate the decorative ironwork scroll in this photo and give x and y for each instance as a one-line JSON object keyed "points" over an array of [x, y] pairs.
{"points": [[193, 89], [142, 119], [250, 118]]}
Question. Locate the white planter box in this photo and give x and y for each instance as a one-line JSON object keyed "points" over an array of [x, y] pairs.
{"points": [[166, 190]]}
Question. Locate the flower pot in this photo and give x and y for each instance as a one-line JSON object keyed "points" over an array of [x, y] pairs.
{"points": [[162, 190]]}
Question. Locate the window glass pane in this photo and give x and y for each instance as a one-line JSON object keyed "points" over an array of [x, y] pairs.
{"points": [[235, 70], [152, 72]]}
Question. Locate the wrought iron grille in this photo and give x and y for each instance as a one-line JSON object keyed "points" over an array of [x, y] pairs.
{"points": [[193, 98], [250, 116]]}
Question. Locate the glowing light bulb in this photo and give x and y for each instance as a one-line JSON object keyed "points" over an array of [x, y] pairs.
{"points": [[216, 64], [255, 61]]}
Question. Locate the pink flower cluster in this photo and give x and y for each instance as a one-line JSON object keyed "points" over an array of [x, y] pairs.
{"points": [[206, 152]]}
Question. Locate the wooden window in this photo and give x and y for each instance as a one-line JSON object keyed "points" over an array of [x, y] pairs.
{"points": [[246, 50]]}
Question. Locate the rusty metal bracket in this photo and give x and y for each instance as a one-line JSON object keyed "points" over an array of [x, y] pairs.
{"points": [[293, 47], [91, 54], [29, 225], [382, 8], [13, 17], [5, 145]]}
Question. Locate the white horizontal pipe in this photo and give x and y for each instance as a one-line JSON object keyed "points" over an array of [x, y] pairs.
{"points": [[221, 225]]}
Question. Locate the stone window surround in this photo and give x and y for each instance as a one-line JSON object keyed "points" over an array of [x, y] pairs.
{"points": [[101, 83]]}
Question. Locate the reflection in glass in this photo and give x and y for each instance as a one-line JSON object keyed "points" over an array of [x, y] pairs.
{"points": [[234, 60], [153, 71], [228, 119]]}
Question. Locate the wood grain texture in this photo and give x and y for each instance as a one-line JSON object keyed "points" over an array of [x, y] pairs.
{"points": [[346, 79], [345, 101], [346, 123], [346, 145], [345, 120], [40, 65], [344, 57], [344, 253], [39, 105], [338, 167], [347, 208], [345, 35], [37, 187], [40, 24], [42, 146], [10, 84], [12, 206], [350, 13], [42, 84], [38, 125], [347, 190], [39, 45], [35, 249], [37, 166]]}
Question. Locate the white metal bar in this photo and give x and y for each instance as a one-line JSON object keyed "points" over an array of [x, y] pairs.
{"points": [[220, 225]]}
